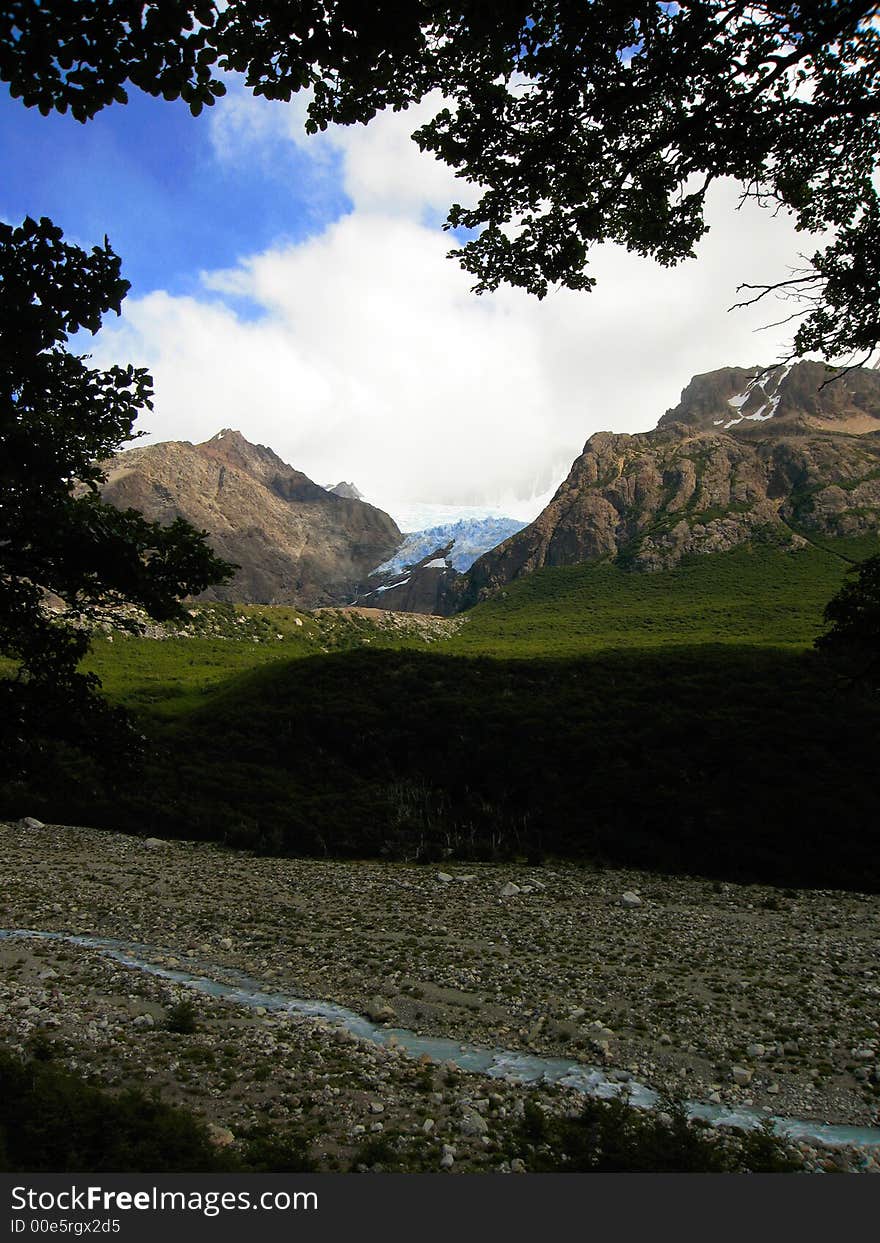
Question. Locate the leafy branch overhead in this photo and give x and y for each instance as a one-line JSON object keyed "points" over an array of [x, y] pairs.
{"points": [[578, 122], [853, 620], [59, 419]]}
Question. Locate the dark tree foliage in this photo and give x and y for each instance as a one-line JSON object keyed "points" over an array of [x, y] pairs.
{"points": [[58, 420], [51, 1120], [579, 122], [853, 616], [612, 1137]]}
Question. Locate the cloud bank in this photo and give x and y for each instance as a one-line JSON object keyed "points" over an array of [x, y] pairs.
{"points": [[359, 353]]}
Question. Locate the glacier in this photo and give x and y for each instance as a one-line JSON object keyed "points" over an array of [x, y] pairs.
{"points": [[472, 537]]}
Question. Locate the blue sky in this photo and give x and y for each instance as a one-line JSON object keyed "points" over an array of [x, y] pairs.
{"points": [[298, 289], [148, 176]]}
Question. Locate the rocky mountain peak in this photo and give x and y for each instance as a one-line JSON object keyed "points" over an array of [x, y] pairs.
{"points": [[296, 543], [790, 397], [749, 453], [346, 490]]}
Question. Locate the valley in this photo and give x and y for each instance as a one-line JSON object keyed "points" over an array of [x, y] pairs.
{"points": [[600, 801], [744, 995]]}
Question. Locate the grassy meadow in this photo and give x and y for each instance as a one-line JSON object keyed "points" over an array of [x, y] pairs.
{"points": [[756, 596], [677, 720]]}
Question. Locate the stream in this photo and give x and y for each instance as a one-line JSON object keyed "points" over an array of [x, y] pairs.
{"points": [[495, 1063]]}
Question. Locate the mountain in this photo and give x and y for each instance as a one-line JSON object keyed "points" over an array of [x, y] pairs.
{"points": [[296, 542], [797, 398], [422, 587], [747, 454], [346, 490]]}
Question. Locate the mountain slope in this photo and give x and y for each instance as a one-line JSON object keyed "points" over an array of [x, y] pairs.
{"points": [[296, 543], [745, 456]]}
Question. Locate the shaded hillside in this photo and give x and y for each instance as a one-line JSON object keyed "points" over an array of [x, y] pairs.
{"points": [[296, 543], [744, 457], [671, 720], [735, 762]]}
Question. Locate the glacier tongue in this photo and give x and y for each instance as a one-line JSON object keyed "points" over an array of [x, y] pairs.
{"points": [[472, 537]]}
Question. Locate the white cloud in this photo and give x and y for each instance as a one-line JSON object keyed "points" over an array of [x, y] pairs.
{"points": [[382, 170], [370, 359]]}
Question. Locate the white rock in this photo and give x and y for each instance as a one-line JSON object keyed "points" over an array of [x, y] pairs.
{"points": [[30, 822], [220, 1136], [630, 900], [153, 843], [444, 877], [741, 1075], [509, 890], [380, 1011], [473, 1123]]}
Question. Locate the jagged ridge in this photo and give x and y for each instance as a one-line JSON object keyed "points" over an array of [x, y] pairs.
{"points": [[746, 454], [296, 542]]}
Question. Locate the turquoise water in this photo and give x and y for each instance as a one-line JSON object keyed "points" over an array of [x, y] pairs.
{"points": [[495, 1063]]}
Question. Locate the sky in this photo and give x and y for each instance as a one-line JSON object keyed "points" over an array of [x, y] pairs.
{"points": [[296, 288]]}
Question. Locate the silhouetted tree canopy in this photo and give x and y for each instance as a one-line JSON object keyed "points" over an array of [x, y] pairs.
{"points": [[579, 122], [58, 420], [853, 616]]}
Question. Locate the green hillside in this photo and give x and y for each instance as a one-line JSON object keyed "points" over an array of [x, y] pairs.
{"points": [[172, 676], [759, 595], [762, 596], [679, 721]]}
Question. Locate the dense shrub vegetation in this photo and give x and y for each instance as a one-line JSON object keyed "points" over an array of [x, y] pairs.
{"points": [[681, 722], [51, 1119], [610, 1137]]}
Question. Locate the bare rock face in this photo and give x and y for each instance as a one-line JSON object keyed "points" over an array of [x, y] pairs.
{"points": [[746, 454], [347, 490], [799, 398], [296, 543], [424, 587]]}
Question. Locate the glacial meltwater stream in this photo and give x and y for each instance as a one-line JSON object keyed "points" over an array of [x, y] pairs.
{"points": [[495, 1063]]}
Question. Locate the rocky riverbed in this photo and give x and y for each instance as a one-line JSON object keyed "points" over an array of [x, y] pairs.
{"points": [[743, 996]]}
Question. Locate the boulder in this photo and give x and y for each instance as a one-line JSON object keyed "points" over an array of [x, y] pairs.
{"points": [[630, 900], [379, 1011], [473, 1123], [220, 1136]]}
